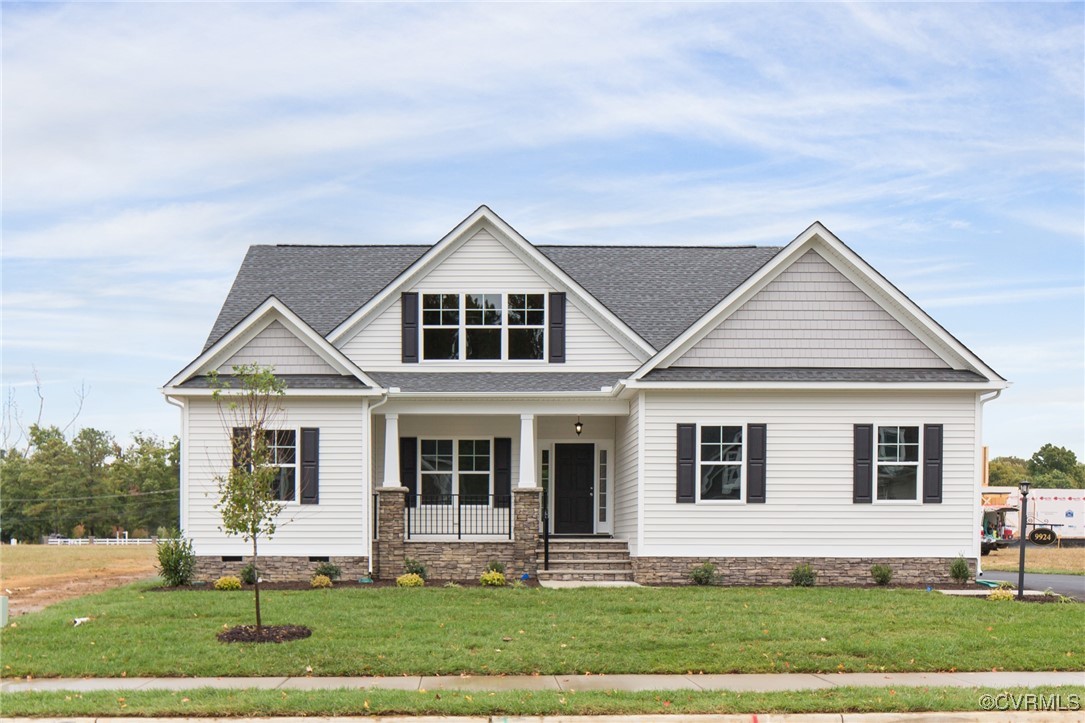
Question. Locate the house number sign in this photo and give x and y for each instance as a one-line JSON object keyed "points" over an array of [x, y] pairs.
{"points": [[1042, 536]]}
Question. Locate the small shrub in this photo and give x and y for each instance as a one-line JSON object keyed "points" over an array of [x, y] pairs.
{"points": [[882, 574], [1000, 595], [451, 583], [495, 566], [1005, 585], [328, 570], [492, 578], [248, 574], [803, 575], [176, 561], [414, 567], [959, 570], [410, 579], [320, 581], [228, 582], [703, 574], [519, 584]]}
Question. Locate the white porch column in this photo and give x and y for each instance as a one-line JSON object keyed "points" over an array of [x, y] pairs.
{"points": [[527, 451], [391, 451]]}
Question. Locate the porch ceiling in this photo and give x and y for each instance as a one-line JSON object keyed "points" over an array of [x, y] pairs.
{"points": [[496, 382]]}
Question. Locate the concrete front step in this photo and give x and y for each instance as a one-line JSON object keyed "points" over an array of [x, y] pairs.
{"points": [[600, 575], [614, 556], [573, 563]]}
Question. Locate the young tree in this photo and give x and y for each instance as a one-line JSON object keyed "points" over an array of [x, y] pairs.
{"points": [[247, 499]]}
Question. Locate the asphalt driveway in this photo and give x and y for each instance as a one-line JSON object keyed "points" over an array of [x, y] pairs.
{"points": [[1071, 585]]}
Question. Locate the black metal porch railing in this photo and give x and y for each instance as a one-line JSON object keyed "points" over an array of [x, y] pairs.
{"points": [[459, 515], [376, 514], [545, 514]]}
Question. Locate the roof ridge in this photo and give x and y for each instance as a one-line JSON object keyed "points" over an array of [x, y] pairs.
{"points": [[650, 246]]}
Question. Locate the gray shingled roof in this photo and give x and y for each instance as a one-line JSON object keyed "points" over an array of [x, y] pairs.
{"points": [[293, 381], [321, 284], [659, 291], [806, 374], [511, 382]]}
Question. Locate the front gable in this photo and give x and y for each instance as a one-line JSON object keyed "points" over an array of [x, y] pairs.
{"points": [[273, 335], [485, 256], [817, 304], [810, 315]]}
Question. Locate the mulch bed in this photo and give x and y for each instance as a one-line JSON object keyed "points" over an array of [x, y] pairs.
{"points": [[304, 585], [266, 634]]}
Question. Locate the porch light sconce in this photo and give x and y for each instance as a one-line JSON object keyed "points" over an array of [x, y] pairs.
{"points": [[579, 426]]}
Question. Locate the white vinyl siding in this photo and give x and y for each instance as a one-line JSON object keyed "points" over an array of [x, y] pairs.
{"points": [[453, 426], [276, 346], [338, 525], [484, 265], [809, 461], [624, 504], [811, 315]]}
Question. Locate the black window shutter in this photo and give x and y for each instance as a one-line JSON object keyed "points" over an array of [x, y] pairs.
{"points": [[310, 465], [503, 472], [687, 463], [241, 447], [932, 463], [755, 462], [862, 491], [557, 327], [408, 464], [409, 313]]}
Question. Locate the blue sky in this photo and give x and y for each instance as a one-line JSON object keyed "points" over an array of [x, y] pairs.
{"points": [[145, 146]]}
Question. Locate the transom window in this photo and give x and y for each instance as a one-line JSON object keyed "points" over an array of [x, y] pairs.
{"points": [[490, 326], [721, 463], [898, 463], [451, 467]]}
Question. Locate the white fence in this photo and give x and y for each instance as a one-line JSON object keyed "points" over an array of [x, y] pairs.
{"points": [[102, 541]]}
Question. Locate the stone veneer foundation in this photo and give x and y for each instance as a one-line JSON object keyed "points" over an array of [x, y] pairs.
{"points": [[777, 570], [277, 568]]}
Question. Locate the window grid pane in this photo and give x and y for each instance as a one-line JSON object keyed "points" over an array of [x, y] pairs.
{"points": [[898, 463]]}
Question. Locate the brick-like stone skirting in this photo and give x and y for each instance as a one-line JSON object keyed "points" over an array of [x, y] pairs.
{"points": [[777, 570], [456, 559], [278, 569]]}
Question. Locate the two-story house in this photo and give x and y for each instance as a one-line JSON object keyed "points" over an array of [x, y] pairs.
{"points": [[660, 406]]}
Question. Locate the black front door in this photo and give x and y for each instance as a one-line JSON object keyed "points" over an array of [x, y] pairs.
{"points": [[574, 488]]}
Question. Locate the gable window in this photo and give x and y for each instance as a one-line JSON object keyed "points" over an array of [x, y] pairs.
{"points": [[281, 448], [441, 326], [451, 467], [478, 326], [898, 464], [721, 463], [527, 320]]}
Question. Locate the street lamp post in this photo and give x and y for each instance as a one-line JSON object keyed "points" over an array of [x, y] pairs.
{"points": [[1023, 486]]}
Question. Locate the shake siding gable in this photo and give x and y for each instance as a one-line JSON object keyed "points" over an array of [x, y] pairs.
{"points": [[484, 264], [809, 478], [336, 525], [811, 315], [277, 346]]}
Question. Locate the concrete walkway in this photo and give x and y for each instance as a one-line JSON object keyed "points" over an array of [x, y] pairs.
{"points": [[737, 682]]}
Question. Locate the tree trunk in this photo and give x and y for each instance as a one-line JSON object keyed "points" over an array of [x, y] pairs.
{"points": [[256, 585]]}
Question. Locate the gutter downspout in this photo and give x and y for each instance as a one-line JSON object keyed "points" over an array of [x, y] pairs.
{"points": [[369, 440], [977, 520]]}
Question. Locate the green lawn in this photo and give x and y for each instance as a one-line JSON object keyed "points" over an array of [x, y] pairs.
{"points": [[135, 631], [252, 703]]}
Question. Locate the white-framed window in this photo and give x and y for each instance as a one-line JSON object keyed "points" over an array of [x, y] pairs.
{"points": [[483, 326], [897, 477], [460, 467], [720, 468], [282, 453]]}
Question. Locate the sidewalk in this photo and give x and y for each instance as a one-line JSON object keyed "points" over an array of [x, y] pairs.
{"points": [[760, 683]]}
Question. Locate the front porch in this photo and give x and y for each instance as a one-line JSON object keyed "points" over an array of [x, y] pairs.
{"points": [[458, 490]]}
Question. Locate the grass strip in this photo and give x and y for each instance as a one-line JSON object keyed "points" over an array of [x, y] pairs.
{"points": [[134, 631], [207, 702]]}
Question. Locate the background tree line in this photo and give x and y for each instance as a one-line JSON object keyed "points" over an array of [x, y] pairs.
{"points": [[88, 485], [1050, 467]]}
